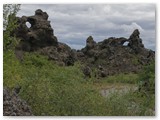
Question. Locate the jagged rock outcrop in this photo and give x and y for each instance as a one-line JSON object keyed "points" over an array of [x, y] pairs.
{"points": [[39, 35], [115, 57], [40, 38], [13, 105], [90, 44], [111, 53], [135, 42]]}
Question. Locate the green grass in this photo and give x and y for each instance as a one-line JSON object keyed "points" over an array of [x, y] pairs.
{"points": [[122, 78], [50, 89], [130, 104], [53, 90]]}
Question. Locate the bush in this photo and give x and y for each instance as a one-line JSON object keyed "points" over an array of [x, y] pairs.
{"points": [[147, 78], [9, 25]]}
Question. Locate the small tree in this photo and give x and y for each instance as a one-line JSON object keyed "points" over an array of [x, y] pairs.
{"points": [[9, 24]]}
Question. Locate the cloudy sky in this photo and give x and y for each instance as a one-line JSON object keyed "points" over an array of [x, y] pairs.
{"points": [[73, 23]]}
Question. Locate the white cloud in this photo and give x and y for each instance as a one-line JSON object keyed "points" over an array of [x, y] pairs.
{"points": [[73, 23], [130, 28]]}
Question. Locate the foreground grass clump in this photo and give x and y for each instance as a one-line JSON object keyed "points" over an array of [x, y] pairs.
{"points": [[53, 90]]}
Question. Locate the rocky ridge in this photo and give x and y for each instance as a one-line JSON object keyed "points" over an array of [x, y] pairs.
{"points": [[109, 56], [114, 57]]}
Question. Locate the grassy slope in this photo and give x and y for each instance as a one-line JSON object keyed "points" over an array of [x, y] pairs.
{"points": [[53, 90]]}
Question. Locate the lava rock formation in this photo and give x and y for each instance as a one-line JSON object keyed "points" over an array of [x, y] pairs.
{"points": [[111, 53], [115, 57], [40, 37]]}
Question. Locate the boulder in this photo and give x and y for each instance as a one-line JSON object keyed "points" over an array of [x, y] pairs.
{"points": [[86, 71], [101, 72], [13, 105]]}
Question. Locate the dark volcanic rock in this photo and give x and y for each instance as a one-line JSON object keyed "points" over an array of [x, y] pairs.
{"points": [[87, 71], [62, 54], [101, 72], [90, 44], [135, 42], [113, 53], [40, 37], [13, 105], [115, 57], [40, 34]]}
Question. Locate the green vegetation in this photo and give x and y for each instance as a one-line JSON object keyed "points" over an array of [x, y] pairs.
{"points": [[122, 78], [50, 89], [9, 25], [135, 60], [53, 90], [147, 78]]}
